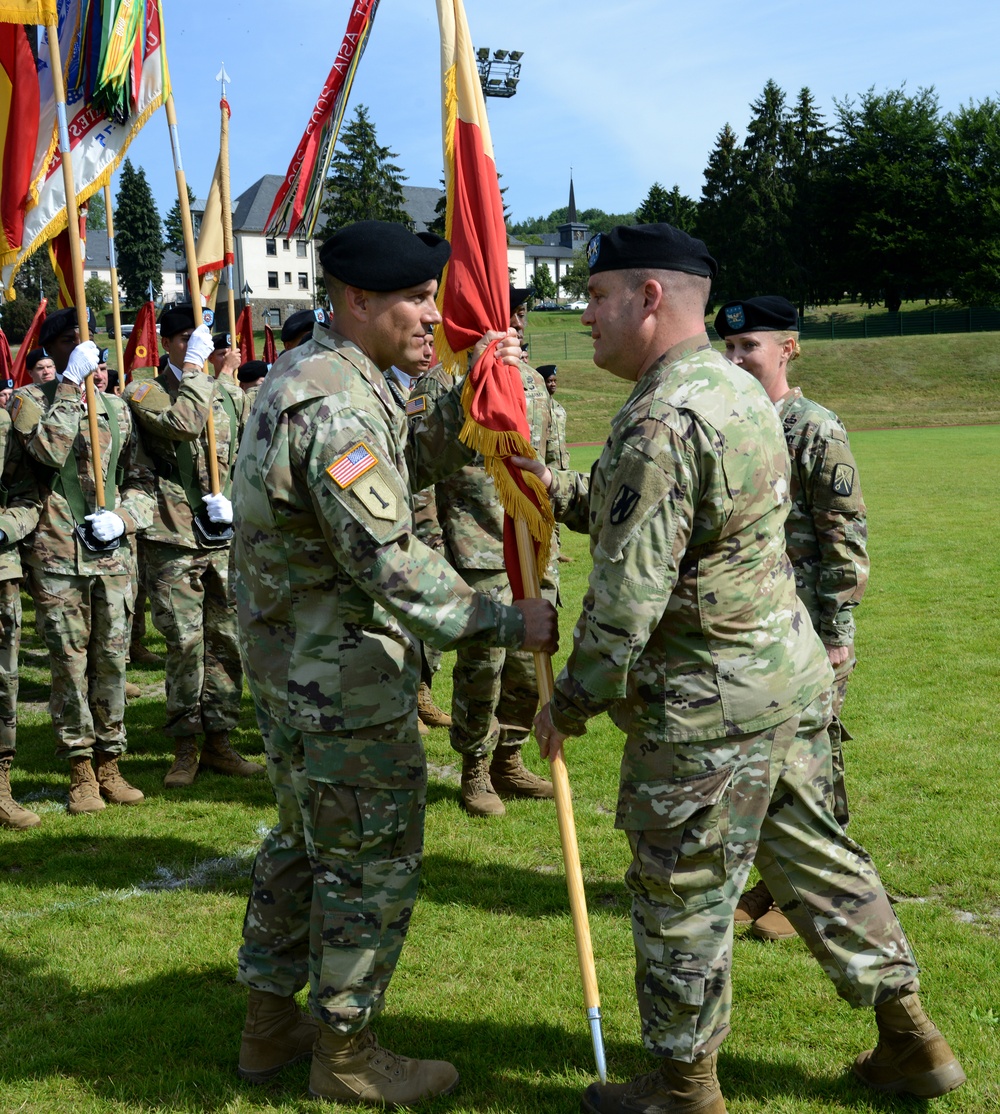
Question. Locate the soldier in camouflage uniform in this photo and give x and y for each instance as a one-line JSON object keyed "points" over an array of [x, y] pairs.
{"points": [[19, 507], [334, 591], [187, 548], [495, 694], [79, 561], [548, 372], [693, 639], [825, 533]]}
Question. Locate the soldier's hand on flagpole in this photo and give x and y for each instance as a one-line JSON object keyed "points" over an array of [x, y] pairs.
{"points": [[220, 509], [541, 625], [538, 467], [199, 347], [83, 361], [106, 525], [508, 350], [550, 738], [230, 363]]}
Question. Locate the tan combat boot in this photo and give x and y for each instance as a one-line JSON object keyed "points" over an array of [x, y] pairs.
{"points": [[132, 691], [12, 815], [773, 926], [911, 1056], [511, 778], [218, 755], [478, 796], [357, 1069], [428, 711], [674, 1088], [113, 786], [84, 792], [137, 653], [185, 768], [753, 904], [277, 1033]]}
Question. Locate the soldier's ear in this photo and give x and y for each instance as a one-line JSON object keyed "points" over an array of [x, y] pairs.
{"points": [[358, 302]]}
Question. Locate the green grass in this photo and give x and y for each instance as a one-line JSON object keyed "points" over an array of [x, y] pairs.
{"points": [[118, 931]]}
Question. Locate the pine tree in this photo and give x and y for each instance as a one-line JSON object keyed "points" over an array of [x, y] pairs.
{"points": [[719, 214], [96, 216], [365, 183], [809, 229], [173, 226], [138, 236], [654, 208]]}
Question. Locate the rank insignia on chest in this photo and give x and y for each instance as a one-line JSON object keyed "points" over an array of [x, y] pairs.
{"points": [[842, 482], [416, 405], [354, 463], [623, 504]]}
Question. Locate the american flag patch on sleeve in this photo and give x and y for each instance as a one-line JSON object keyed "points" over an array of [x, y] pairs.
{"points": [[416, 405], [355, 462]]}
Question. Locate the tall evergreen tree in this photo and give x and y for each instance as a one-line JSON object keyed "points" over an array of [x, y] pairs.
{"points": [[96, 216], [543, 285], [365, 184], [655, 207], [809, 175], [138, 236], [173, 226], [719, 217]]}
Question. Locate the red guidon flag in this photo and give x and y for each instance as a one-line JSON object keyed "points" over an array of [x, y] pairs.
{"points": [[19, 372], [142, 349], [270, 351], [244, 335], [475, 295]]}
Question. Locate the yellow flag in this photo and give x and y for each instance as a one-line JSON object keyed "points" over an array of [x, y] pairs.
{"points": [[40, 12]]}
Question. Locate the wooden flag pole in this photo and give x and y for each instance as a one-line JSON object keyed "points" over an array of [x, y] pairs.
{"points": [[564, 813], [191, 254], [75, 253], [227, 205], [116, 308]]}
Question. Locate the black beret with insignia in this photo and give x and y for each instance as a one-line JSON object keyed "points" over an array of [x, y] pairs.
{"points": [[546, 371], [34, 356], [518, 296], [381, 256], [176, 318], [769, 313], [8, 385], [251, 371], [656, 247], [301, 322], [221, 341], [62, 321], [102, 355]]}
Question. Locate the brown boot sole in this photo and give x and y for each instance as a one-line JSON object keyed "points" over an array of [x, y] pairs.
{"points": [[16, 825], [264, 1074], [391, 1106], [929, 1085]]}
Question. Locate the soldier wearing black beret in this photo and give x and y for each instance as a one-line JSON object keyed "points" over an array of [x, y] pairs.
{"points": [[299, 326], [333, 589], [59, 335]]}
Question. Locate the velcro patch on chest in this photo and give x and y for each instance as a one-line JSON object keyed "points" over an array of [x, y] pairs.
{"points": [[352, 465], [416, 406]]}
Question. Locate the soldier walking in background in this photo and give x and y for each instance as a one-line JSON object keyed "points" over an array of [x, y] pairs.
{"points": [[186, 548]]}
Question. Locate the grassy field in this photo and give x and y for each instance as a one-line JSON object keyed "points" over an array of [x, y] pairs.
{"points": [[118, 931]]}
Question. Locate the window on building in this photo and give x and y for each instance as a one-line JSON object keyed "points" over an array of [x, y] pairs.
{"points": [[272, 280], [300, 248], [93, 274], [271, 246], [288, 277], [285, 245], [303, 280], [178, 278]]}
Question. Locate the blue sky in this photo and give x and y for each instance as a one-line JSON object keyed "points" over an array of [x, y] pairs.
{"points": [[625, 92]]}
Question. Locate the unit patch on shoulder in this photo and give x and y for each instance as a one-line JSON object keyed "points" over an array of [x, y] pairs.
{"points": [[358, 460], [624, 503], [25, 413], [416, 406], [377, 496], [842, 482], [140, 394]]}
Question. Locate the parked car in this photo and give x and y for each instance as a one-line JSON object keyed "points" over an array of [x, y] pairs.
{"points": [[581, 306], [545, 305]]}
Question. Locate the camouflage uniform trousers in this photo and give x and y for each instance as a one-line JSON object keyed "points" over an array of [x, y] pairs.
{"points": [[838, 736], [767, 795], [85, 623], [334, 882], [10, 645], [495, 692], [194, 608]]}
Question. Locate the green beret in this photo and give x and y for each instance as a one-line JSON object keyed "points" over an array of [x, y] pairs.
{"points": [[381, 256], [757, 315], [655, 247]]}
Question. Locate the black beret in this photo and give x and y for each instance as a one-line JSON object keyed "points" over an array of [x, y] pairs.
{"points": [[546, 371], [251, 371], [768, 313], [518, 296], [176, 318], [221, 341], [301, 322], [112, 378], [381, 256], [34, 356], [62, 321], [102, 355], [658, 247], [8, 385]]}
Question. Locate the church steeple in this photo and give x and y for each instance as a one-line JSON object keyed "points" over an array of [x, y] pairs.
{"points": [[571, 215], [572, 234]]}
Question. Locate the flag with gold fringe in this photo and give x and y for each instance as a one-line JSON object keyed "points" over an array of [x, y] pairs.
{"points": [[297, 202], [19, 102], [62, 262], [98, 141], [215, 222], [19, 372], [475, 295], [37, 12]]}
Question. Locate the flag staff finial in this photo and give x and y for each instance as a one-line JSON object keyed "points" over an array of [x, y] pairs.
{"points": [[224, 78]]}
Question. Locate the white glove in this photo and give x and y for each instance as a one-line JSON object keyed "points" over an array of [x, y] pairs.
{"points": [[219, 508], [199, 347], [83, 361], [106, 525]]}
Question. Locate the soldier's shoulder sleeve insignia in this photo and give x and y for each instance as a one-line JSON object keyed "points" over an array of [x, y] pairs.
{"points": [[625, 500], [636, 489], [837, 487], [416, 406], [842, 480], [353, 464], [149, 396], [25, 412]]}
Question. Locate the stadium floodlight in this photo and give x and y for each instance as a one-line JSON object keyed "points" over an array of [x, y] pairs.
{"points": [[498, 75], [516, 55], [499, 55], [483, 53]]}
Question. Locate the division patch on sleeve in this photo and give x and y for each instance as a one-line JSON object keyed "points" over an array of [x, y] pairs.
{"points": [[838, 488], [635, 489], [346, 469], [416, 405]]}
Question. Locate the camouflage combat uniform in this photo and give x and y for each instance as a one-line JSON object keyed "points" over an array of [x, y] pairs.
{"points": [[558, 412], [83, 600], [19, 507], [694, 641], [825, 537], [190, 591], [495, 694], [333, 592]]}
